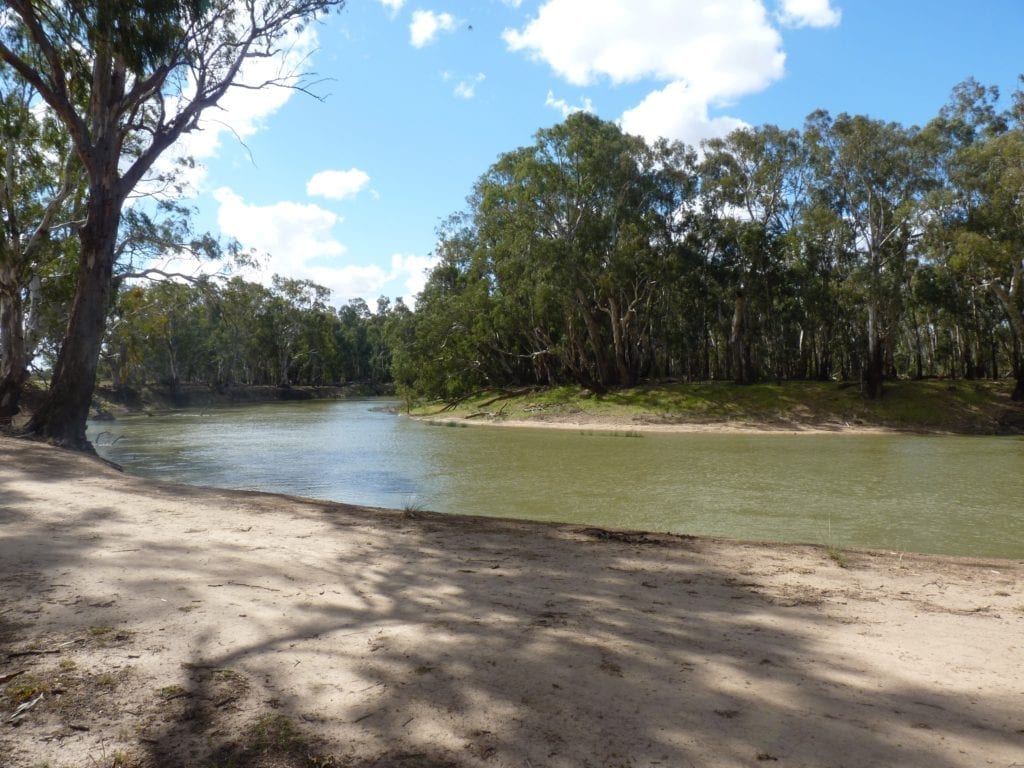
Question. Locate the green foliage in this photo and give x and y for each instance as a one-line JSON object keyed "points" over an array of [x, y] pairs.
{"points": [[236, 332]]}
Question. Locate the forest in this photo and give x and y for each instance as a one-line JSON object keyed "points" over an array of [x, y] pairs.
{"points": [[853, 249]]}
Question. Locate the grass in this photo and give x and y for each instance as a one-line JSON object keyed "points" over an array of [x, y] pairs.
{"points": [[930, 405], [837, 556], [273, 733], [272, 739], [27, 687], [413, 508]]}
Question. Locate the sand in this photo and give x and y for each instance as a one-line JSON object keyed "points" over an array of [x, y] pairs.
{"points": [[165, 625]]}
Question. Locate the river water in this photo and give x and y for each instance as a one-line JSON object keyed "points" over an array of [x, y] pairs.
{"points": [[950, 495]]}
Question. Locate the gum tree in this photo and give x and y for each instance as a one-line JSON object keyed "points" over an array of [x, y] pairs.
{"points": [[38, 182], [127, 78], [872, 176]]}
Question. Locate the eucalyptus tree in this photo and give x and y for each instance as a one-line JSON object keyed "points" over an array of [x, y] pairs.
{"points": [[127, 79], [986, 240], [452, 344], [39, 178], [872, 176], [753, 183], [572, 228], [292, 301]]}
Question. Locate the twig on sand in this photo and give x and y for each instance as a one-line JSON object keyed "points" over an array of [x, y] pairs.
{"points": [[252, 586], [43, 651]]}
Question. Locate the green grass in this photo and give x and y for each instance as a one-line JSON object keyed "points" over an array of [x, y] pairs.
{"points": [[837, 556], [931, 405]]}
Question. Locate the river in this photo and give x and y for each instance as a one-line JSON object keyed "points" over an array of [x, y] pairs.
{"points": [[939, 494]]}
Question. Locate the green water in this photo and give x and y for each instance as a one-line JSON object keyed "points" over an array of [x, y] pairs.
{"points": [[952, 495]]}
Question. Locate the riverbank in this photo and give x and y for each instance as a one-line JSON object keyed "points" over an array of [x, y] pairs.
{"points": [[151, 624], [794, 407]]}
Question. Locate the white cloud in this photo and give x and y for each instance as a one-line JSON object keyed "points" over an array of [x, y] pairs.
{"points": [[427, 25], [700, 54], [565, 107], [809, 13], [677, 113], [512, 3], [298, 240], [725, 47], [466, 89], [337, 185], [293, 234], [392, 5]]}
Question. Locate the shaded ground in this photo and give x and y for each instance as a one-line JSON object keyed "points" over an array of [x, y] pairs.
{"points": [[165, 625]]}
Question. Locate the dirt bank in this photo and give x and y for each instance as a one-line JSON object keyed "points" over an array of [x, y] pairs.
{"points": [[149, 624]]}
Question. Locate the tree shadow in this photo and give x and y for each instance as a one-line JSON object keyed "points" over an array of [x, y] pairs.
{"points": [[571, 650]]}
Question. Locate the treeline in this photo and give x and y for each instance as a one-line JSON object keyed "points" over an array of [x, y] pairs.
{"points": [[228, 333], [854, 249]]}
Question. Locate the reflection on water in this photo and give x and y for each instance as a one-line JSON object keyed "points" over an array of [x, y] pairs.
{"points": [[954, 495]]}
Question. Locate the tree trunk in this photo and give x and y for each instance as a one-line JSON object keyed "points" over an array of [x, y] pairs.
{"points": [[738, 341], [1018, 391], [61, 419], [875, 367], [619, 325], [600, 361], [13, 358]]}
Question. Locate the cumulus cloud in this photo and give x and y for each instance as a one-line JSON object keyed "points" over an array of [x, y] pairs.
{"points": [[676, 113], [392, 5], [466, 89], [701, 54], [565, 107], [427, 25], [809, 13], [299, 241], [293, 234], [337, 185]]}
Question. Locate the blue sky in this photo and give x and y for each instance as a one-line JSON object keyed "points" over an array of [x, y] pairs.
{"points": [[421, 96]]}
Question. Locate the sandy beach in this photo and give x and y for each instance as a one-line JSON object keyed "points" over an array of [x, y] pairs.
{"points": [[151, 624], [605, 423]]}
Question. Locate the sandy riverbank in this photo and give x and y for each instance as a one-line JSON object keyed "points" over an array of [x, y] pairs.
{"points": [[166, 626], [587, 423]]}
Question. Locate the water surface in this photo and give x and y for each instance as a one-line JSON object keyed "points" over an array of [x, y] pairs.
{"points": [[951, 495]]}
